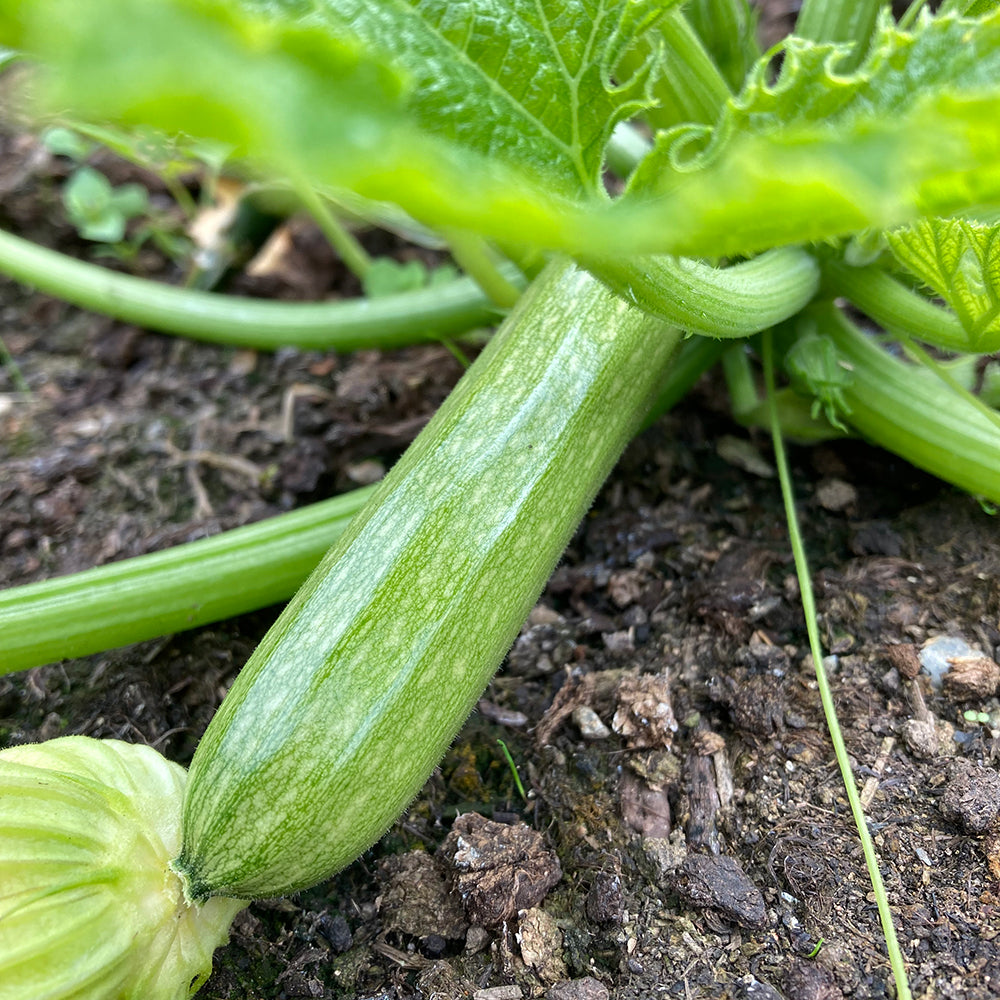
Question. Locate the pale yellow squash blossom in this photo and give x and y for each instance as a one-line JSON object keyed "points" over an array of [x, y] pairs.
{"points": [[89, 907]]}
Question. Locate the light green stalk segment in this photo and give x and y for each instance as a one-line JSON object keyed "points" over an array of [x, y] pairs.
{"points": [[393, 321], [351, 699], [690, 87], [351, 252], [169, 591], [473, 255], [940, 369], [895, 307], [840, 21], [734, 301], [826, 695], [727, 29]]}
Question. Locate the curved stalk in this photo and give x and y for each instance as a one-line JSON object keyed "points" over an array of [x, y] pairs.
{"points": [[690, 88], [169, 591], [894, 306], [393, 321], [732, 301]]}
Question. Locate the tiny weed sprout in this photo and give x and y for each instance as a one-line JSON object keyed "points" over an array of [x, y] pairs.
{"points": [[635, 190]]}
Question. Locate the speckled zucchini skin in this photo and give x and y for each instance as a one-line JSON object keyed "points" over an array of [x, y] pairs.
{"points": [[354, 695]]}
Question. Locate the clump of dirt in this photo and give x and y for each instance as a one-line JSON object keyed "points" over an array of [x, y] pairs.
{"points": [[685, 830]]}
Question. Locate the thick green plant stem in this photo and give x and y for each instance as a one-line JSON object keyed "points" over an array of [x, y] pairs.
{"points": [[825, 694], [735, 301], [353, 696], [839, 21], [393, 321], [727, 29], [911, 412], [951, 379], [894, 306], [169, 591], [690, 87]]}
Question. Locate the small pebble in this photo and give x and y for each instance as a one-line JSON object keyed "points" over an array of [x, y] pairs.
{"points": [[589, 723], [835, 494], [498, 993], [587, 988], [935, 655]]}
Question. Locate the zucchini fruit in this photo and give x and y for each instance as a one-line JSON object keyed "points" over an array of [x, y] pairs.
{"points": [[352, 698]]}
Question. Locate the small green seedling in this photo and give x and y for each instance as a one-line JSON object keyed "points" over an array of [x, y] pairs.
{"points": [[978, 717], [99, 211], [513, 770]]}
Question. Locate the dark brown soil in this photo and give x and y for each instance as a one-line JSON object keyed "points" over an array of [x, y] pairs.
{"points": [[685, 832]]}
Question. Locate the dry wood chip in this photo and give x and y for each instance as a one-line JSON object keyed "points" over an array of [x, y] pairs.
{"points": [[499, 993], [971, 677], [721, 884]]}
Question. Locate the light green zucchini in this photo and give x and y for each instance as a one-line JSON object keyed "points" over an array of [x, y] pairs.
{"points": [[353, 696]]}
